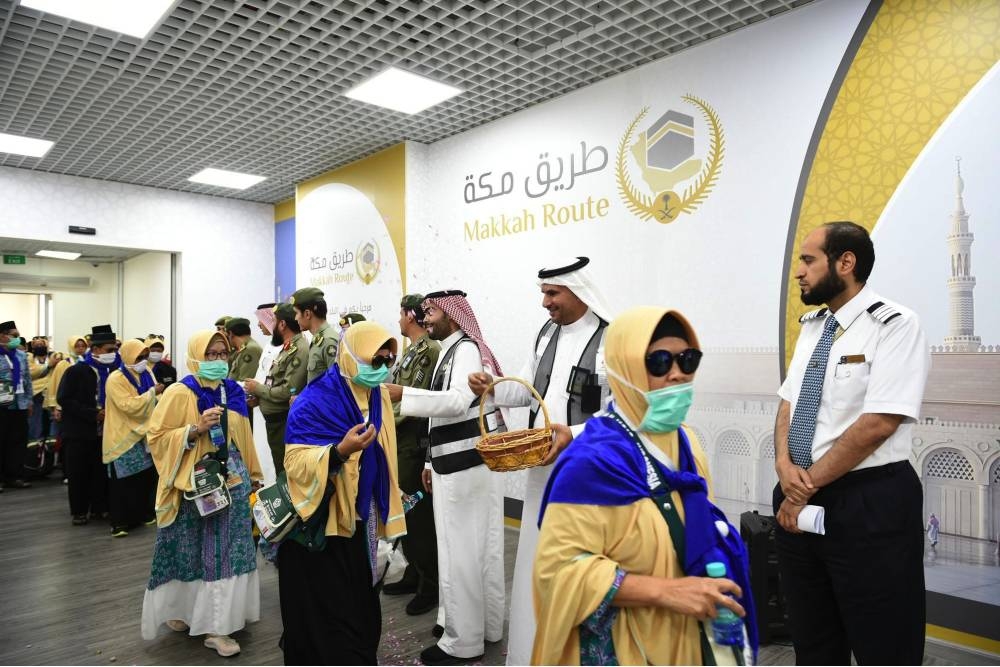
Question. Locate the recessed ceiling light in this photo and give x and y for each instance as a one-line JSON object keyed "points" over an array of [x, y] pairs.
{"points": [[12, 143], [226, 179], [132, 17], [57, 254], [402, 91]]}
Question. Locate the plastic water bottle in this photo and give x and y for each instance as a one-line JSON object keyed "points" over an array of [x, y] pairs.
{"points": [[216, 434], [409, 501], [727, 627]]}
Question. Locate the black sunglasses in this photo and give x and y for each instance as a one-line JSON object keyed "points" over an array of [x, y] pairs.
{"points": [[658, 363], [378, 361]]}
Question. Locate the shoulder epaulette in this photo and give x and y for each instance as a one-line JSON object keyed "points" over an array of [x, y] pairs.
{"points": [[812, 315], [882, 312]]}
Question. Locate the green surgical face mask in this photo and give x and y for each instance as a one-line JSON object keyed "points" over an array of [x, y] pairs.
{"points": [[213, 370], [13, 343], [666, 407], [370, 377]]}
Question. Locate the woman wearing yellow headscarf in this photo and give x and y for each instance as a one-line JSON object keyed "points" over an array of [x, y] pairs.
{"points": [[627, 528], [204, 574], [77, 348], [340, 458], [131, 395]]}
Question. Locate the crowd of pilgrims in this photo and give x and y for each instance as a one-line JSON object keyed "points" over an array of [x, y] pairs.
{"points": [[369, 448]]}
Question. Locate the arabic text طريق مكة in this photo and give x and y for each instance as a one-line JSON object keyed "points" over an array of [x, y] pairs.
{"points": [[335, 262], [548, 175]]}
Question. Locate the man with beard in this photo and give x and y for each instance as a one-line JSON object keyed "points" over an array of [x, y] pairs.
{"points": [[566, 367], [286, 376], [842, 442], [467, 496]]}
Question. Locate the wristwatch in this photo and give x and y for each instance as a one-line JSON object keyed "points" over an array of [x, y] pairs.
{"points": [[343, 459]]}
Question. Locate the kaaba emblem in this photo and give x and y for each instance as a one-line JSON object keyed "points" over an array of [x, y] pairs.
{"points": [[368, 261], [665, 154]]}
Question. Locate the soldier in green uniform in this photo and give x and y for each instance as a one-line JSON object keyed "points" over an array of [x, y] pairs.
{"points": [[347, 319], [415, 369], [310, 313], [286, 377], [245, 357], [220, 324]]}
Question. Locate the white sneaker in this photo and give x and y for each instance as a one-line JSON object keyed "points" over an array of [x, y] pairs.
{"points": [[178, 626], [223, 645]]}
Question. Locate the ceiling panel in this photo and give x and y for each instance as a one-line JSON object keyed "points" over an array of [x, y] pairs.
{"points": [[258, 86]]}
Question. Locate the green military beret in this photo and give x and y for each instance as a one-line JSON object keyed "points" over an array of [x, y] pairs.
{"points": [[412, 301], [284, 311], [306, 296], [221, 322], [351, 318], [238, 325]]}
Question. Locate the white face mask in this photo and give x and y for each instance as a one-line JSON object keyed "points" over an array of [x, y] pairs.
{"points": [[154, 357], [139, 366], [106, 358]]}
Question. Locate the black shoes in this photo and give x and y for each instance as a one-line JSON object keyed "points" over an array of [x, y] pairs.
{"points": [[401, 587], [433, 655], [421, 604], [79, 519]]}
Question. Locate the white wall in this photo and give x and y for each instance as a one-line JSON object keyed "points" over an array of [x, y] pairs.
{"points": [[74, 310], [146, 295], [23, 310], [226, 246], [720, 264]]}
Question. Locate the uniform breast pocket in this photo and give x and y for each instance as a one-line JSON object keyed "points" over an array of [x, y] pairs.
{"points": [[850, 382]]}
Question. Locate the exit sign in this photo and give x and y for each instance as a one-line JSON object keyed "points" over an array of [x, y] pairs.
{"points": [[13, 259]]}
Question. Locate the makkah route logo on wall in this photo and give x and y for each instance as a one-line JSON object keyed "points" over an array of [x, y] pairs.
{"points": [[368, 261], [665, 155]]}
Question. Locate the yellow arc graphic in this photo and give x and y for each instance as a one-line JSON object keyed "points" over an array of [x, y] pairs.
{"points": [[917, 61]]}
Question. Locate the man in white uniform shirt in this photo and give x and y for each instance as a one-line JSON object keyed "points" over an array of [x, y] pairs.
{"points": [[467, 496], [842, 442], [566, 368]]}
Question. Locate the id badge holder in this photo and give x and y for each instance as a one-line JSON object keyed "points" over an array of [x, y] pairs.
{"points": [[6, 393]]}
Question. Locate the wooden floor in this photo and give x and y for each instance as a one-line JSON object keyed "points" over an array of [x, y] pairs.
{"points": [[73, 595]]}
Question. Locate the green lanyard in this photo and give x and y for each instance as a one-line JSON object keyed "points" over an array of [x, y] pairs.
{"points": [[660, 495]]}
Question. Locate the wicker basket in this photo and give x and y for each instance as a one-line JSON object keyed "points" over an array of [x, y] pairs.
{"points": [[514, 450]]}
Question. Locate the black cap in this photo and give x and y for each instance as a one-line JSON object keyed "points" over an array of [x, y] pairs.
{"points": [[102, 334], [7, 326], [444, 293], [569, 268], [239, 326], [266, 305]]}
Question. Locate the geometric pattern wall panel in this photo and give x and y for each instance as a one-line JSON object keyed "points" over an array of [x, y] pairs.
{"points": [[734, 443], [949, 464], [916, 62]]}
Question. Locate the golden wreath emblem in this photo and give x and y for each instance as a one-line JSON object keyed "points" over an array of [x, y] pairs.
{"points": [[669, 137]]}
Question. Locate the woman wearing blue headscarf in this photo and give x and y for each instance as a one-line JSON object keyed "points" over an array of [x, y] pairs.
{"points": [[340, 459]]}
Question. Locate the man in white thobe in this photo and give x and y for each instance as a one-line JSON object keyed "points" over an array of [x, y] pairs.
{"points": [[566, 367], [467, 496]]}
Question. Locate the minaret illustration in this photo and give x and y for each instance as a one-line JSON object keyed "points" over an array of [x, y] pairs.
{"points": [[961, 306]]}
